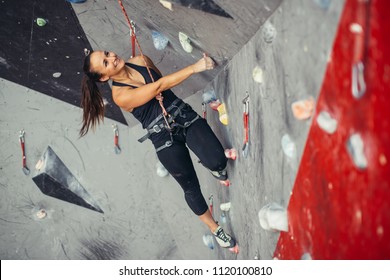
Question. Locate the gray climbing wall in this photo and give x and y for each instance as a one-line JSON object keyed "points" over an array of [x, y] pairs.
{"points": [[145, 216]]}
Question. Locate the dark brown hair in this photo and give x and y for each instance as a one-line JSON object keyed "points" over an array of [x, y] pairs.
{"points": [[91, 98]]}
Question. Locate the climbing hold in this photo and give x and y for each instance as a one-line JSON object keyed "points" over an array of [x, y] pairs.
{"points": [[382, 159], [54, 179], [208, 240], [209, 96], [221, 108], [269, 32], [355, 147], [57, 75], [257, 75], [167, 4], [356, 28], [160, 42], [288, 146], [214, 104], [39, 164], [223, 117], [222, 218], [225, 206], [185, 42], [235, 249], [76, 1], [225, 183], [161, 170], [324, 4], [41, 22], [306, 256], [303, 109], [273, 217], [231, 153], [358, 84], [326, 122], [41, 214]]}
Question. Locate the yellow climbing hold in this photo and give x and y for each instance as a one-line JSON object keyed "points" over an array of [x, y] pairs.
{"points": [[166, 4], [223, 117]]}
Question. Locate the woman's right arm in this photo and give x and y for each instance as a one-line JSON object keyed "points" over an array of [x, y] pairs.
{"points": [[128, 98]]}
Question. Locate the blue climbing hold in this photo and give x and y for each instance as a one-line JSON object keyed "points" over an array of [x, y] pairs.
{"points": [[324, 4], [76, 1], [159, 40]]}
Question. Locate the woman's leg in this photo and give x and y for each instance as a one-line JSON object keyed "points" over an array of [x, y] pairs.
{"points": [[176, 159], [206, 146]]}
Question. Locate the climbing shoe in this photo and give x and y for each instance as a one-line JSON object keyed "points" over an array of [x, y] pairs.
{"points": [[220, 175], [224, 239]]}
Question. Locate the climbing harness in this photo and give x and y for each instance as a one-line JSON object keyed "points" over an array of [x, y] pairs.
{"points": [[245, 148], [159, 124], [26, 171], [134, 39], [117, 149], [175, 124]]}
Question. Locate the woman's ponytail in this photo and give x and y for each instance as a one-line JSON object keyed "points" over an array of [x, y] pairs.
{"points": [[91, 99]]}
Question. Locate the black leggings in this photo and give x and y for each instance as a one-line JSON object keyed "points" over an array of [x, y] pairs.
{"points": [[176, 159]]}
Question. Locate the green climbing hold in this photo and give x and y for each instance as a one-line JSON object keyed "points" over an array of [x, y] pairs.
{"points": [[41, 21]]}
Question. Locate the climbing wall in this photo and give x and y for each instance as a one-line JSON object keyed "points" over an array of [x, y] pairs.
{"points": [[339, 208], [280, 54], [282, 64], [41, 46]]}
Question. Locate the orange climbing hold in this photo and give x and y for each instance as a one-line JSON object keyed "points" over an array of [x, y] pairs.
{"points": [[303, 109]]}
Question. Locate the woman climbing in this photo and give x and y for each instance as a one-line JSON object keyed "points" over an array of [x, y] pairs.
{"points": [[134, 91]]}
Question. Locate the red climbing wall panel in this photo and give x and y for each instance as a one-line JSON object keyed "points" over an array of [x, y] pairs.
{"points": [[338, 211]]}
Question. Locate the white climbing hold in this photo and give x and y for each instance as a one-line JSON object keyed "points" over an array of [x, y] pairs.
{"points": [[273, 217], [355, 147], [160, 42], [356, 28], [257, 75], [185, 42], [326, 122], [306, 256], [225, 206], [41, 214], [161, 170], [39, 164], [57, 75], [167, 4], [269, 32], [288, 146]]}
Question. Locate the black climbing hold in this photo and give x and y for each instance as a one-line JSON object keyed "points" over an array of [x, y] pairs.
{"points": [[208, 6]]}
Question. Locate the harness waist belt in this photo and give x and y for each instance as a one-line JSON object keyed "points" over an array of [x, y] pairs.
{"points": [[157, 124]]}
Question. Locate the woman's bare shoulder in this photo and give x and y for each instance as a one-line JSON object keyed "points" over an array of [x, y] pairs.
{"points": [[138, 60]]}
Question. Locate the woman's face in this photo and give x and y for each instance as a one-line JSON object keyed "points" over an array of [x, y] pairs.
{"points": [[106, 63]]}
